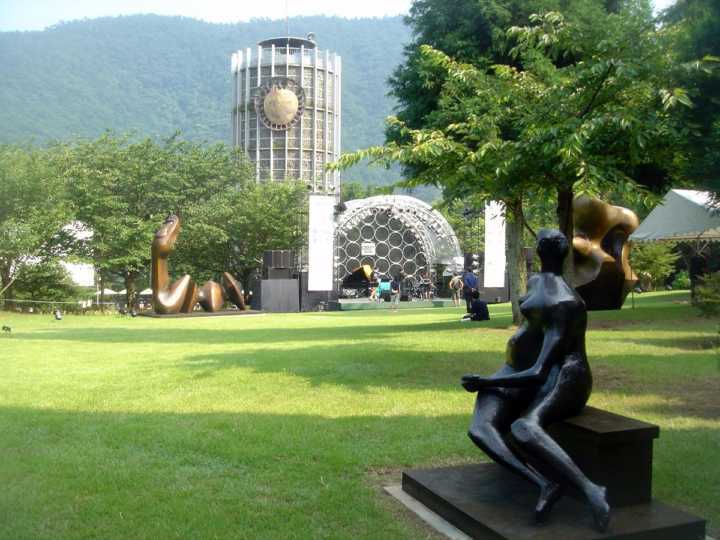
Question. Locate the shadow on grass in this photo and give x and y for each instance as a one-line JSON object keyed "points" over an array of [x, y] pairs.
{"points": [[122, 474], [230, 335], [73, 474], [359, 368]]}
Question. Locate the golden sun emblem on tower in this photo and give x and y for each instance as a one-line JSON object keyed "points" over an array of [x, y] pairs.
{"points": [[279, 103]]}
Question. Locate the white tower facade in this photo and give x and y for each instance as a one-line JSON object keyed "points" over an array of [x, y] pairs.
{"points": [[286, 111]]}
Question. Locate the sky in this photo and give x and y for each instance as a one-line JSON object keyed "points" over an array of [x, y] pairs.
{"points": [[39, 14]]}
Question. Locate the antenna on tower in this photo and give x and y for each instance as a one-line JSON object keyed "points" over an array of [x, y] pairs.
{"points": [[287, 20]]}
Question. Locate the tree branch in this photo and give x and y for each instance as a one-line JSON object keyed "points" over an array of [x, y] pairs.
{"points": [[604, 78]]}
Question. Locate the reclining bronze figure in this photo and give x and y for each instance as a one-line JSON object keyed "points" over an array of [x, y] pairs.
{"points": [[167, 298], [182, 295]]}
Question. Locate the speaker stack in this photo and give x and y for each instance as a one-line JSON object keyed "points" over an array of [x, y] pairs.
{"points": [[278, 264]]}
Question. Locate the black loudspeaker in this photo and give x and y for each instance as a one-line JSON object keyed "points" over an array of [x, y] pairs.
{"points": [[277, 273], [277, 296], [278, 258]]}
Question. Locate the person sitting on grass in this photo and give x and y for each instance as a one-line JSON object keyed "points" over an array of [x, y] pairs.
{"points": [[478, 309]]}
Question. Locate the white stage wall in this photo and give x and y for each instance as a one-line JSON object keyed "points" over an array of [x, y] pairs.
{"points": [[321, 253], [494, 245]]}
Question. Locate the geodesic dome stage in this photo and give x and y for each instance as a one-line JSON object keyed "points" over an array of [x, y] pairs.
{"points": [[393, 233]]}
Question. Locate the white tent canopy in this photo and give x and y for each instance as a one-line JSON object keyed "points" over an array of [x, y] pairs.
{"points": [[683, 214]]}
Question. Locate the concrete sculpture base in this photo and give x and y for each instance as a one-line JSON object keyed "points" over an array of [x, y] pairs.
{"points": [[487, 502]]}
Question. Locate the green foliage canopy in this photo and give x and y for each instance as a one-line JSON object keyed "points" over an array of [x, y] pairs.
{"points": [[45, 281], [695, 25], [590, 104], [231, 229], [33, 209], [122, 190]]}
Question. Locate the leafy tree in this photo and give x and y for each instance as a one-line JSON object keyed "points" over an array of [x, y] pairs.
{"points": [[694, 24], [32, 211], [122, 190], [653, 262], [590, 104], [467, 222], [46, 281], [231, 230], [470, 31]]}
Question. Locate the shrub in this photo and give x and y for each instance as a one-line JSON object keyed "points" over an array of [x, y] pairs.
{"points": [[681, 281], [707, 295], [45, 281], [653, 263]]}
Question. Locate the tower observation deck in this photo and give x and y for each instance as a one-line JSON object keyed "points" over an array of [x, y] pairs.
{"points": [[286, 111]]}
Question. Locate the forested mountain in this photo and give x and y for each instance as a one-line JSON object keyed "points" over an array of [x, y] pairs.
{"points": [[157, 74]]}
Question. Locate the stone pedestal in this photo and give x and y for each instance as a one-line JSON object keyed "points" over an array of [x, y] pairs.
{"points": [[488, 502], [613, 451]]}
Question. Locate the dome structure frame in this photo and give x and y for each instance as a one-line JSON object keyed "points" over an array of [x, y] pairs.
{"points": [[408, 236]]}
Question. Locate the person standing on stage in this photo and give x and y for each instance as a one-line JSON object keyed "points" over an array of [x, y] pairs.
{"points": [[395, 291], [455, 286], [470, 284]]}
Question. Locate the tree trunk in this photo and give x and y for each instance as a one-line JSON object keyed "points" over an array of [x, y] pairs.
{"points": [[6, 282], [565, 197], [517, 269], [130, 289], [102, 293]]}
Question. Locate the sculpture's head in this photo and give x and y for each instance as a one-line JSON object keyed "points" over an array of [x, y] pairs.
{"points": [[552, 248], [165, 236]]}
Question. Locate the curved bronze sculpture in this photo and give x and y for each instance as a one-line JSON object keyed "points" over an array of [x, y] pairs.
{"points": [[234, 290], [211, 297], [168, 298], [546, 378], [603, 277], [181, 296]]}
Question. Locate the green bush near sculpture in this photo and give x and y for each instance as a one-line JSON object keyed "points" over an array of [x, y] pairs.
{"points": [[707, 295], [653, 262], [681, 281], [285, 425]]}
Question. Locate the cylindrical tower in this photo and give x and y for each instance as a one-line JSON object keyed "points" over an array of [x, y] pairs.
{"points": [[286, 111]]}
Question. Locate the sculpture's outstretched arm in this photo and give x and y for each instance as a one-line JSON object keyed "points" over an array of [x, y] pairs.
{"points": [[533, 376]]}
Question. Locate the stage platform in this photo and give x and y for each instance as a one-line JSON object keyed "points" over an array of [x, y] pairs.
{"points": [[357, 304]]}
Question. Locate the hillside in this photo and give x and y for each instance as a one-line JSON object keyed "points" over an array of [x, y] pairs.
{"points": [[156, 74]]}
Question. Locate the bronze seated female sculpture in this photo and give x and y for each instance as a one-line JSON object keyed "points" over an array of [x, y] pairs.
{"points": [[546, 378], [182, 295]]}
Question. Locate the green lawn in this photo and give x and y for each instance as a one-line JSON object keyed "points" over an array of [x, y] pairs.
{"points": [[285, 426]]}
